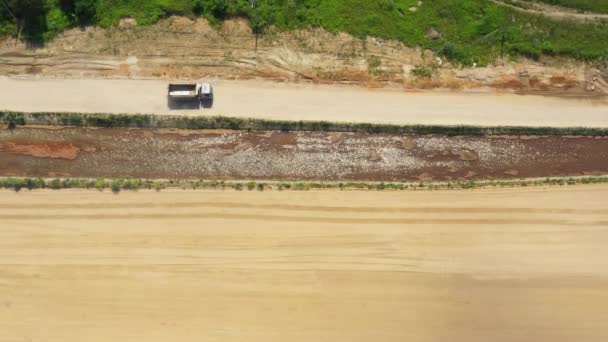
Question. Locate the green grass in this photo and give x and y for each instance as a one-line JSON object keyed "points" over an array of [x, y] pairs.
{"points": [[116, 185], [472, 31], [15, 119], [598, 6], [146, 12]]}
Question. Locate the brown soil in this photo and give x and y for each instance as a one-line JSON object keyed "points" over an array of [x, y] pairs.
{"points": [[147, 153], [181, 48], [42, 150]]}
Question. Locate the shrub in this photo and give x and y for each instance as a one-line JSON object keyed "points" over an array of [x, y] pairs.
{"points": [[13, 119], [172, 121], [158, 186], [421, 71], [116, 185], [373, 64], [56, 20], [100, 184], [55, 184], [468, 27]]}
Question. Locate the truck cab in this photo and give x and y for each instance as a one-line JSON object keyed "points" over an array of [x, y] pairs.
{"points": [[206, 95]]}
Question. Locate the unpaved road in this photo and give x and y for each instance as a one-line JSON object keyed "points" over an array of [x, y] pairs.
{"points": [[305, 102], [495, 265], [554, 12]]}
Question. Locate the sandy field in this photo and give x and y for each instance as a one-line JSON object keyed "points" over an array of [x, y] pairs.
{"points": [[489, 265], [305, 102]]}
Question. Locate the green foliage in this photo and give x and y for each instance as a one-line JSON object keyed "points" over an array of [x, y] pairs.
{"points": [[373, 65], [12, 119], [100, 184], [472, 31], [421, 71], [56, 20], [116, 185], [27, 17], [85, 11], [212, 9], [247, 124], [7, 26], [145, 12], [18, 184]]}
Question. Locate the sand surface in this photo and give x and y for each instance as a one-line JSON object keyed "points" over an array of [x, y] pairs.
{"points": [[489, 265], [305, 102]]}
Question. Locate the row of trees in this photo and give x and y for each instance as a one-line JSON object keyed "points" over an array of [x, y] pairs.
{"points": [[36, 20], [39, 20]]}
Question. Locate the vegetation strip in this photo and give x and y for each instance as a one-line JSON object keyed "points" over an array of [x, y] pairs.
{"points": [[467, 31], [119, 184], [14, 119]]}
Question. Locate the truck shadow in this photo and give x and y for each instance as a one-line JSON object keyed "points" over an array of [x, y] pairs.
{"points": [[183, 105]]}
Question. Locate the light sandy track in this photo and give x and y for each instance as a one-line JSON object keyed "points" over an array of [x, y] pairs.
{"points": [[305, 102], [554, 12], [495, 265]]}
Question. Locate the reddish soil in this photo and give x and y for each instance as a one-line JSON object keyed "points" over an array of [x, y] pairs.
{"points": [[41, 150], [144, 153]]}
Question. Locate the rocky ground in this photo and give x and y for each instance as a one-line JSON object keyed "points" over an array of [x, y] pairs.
{"points": [[142, 153], [181, 48]]}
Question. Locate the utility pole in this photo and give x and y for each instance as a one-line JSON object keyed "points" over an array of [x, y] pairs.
{"points": [[503, 39], [502, 46]]}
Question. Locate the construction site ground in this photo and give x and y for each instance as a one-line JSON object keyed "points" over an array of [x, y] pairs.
{"points": [[504, 265], [500, 265], [209, 154]]}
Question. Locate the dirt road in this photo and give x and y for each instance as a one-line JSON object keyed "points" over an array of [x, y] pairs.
{"points": [[554, 12], [305, 102], [496, 265]]}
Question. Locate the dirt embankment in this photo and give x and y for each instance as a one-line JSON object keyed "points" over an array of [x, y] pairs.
{"points": [[182, 48], [146, 153]]}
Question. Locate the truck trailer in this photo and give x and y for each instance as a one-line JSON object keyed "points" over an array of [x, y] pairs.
{"points": [[190, 95]]}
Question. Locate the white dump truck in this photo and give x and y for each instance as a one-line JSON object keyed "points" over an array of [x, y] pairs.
{"points": [[190, 95]]}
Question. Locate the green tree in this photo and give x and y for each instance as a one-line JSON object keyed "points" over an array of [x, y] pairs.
{"points": [[214, 8], [85, 11], [28, 15], [55, 19]]}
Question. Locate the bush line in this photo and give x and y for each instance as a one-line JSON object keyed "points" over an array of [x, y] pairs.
{"points": [[13, 119], [119, 184]]}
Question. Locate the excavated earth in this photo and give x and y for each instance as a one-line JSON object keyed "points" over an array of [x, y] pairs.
{"points": [[145, 153], [182, 48]]}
